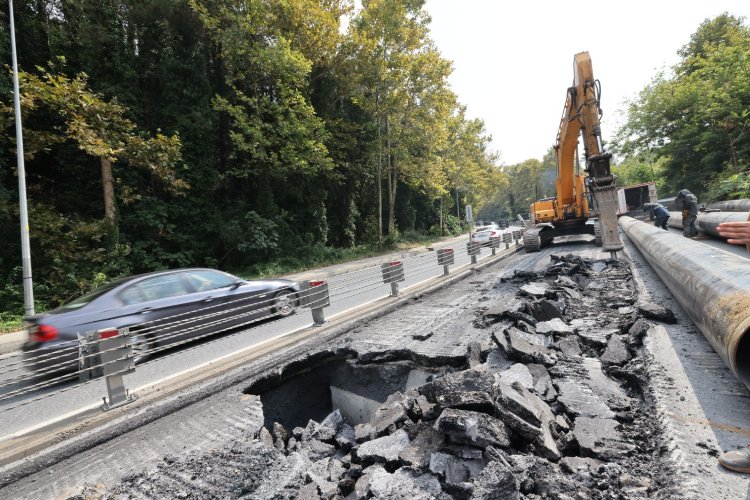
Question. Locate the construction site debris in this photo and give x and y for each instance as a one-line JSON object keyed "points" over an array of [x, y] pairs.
{"points": [[551, 408]]}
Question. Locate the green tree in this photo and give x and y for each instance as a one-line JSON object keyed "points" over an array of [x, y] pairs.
{"points": [[400, 80], [695, 122], [98, 127]]}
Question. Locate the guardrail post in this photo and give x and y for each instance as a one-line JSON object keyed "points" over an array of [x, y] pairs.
{"points": [[507, 239], [316, 296], [494, 243], [445, 258], [517, 236], [473, 250], [113, 353], [393, 272]]}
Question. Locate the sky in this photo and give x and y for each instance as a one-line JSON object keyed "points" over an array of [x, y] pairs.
{"points": [[513, 60]]}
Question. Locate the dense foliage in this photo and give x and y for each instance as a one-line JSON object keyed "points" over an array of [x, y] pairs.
{"points": [[690, 128], [528, 181], [227, 133]]}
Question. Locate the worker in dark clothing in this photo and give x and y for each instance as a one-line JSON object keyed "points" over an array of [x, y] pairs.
{"points": [[657, 213], [689, 213]]}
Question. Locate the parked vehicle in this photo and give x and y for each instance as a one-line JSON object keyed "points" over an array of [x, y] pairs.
{"points": [[631, 198], [482, 234], [159, 308]]}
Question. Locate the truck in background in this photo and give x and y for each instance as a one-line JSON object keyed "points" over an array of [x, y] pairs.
{"points": [[630, 198]]}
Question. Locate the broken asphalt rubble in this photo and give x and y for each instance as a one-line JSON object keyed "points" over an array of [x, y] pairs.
{"points": [[550, 410]]}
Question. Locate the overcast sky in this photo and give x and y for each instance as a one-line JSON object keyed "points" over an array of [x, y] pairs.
{"points": [[513, 60]]}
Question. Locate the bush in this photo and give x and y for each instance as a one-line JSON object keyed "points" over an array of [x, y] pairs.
{"points": [[392, 238], [730, 187], [370, 229], [452, 224]]}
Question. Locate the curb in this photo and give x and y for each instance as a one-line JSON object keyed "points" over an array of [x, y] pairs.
{"points": [[11, 341]]}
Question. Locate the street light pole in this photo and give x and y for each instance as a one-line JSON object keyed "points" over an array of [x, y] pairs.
{"points": [[28, 290]]}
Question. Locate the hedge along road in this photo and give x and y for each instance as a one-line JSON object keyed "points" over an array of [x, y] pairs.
{"points": [[349, 290]]}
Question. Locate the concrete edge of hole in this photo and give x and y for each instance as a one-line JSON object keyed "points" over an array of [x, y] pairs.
{"points": [[45, 446]]}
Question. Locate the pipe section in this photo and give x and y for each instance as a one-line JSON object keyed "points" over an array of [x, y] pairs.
{"points": [[707, 222], [732, 205], [711, 285]]}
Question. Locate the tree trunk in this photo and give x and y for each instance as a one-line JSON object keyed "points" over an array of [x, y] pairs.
{"points": [[109, 189], [392, 185], [392, 181], [441, 216], [380, 185]]}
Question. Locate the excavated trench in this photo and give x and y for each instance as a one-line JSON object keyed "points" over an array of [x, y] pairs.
{"points": [[335, 383], [553, 405]]}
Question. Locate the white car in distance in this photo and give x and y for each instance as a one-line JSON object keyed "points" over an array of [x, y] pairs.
{"points": [[482, 234]]}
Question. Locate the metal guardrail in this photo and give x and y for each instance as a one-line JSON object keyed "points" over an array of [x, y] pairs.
{"points": [[112, 353]]}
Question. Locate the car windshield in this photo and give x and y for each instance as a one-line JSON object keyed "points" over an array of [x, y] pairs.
{"points": [[81, 301], [485, 228]]}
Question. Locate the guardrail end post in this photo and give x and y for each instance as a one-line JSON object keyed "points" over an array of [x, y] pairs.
{"points": [[117, 394], [393, 272], [445, 258], [318, 315], [115, 356], [316, 296]]}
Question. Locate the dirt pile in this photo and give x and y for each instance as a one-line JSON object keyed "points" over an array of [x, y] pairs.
{"points": [[552, 406]]}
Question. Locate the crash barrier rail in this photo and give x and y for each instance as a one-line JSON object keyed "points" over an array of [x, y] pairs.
{"points": [[113, 355]]}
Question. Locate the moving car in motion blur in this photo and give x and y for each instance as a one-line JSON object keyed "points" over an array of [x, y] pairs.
{"points": [[159, 308], [482, 234]]}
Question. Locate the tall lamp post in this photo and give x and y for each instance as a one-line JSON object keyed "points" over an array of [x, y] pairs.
{"points": [[28, 290]]}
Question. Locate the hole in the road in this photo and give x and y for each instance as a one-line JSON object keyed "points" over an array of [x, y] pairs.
{"points": [[313, 392]]}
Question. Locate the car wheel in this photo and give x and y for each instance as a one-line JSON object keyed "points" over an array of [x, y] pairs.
{"points": [[284, 303], [143, 346]]}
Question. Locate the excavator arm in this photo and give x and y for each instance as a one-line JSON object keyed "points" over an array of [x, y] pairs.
{"points": [[579, 197], [585, 110]]}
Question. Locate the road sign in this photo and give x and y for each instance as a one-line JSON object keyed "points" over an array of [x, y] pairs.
{"points": [[469, 218]]}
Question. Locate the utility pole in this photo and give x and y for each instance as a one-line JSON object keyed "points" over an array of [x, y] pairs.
{"points": [[28, 289]]}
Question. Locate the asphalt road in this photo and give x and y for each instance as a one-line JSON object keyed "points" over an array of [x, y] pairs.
{"points": [[351, 285]]}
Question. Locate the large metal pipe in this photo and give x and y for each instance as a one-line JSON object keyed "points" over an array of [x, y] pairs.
{"points": [[708, 222], [713, 287], [732, 205]]}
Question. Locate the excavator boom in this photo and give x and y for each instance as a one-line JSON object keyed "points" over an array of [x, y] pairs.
{"points": [[579, 197], [601, 180]]}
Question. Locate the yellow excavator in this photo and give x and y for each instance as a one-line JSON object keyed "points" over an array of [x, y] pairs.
{"points": [[585, 203]]}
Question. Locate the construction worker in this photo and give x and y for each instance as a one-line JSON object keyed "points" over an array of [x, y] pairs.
{"points": [[737, 233], [657, 213], [689, 213]]}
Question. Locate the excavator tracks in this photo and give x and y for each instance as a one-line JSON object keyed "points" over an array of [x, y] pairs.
{"points": [[532, 242]]}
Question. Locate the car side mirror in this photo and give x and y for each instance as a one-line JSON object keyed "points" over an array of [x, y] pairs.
{"points": [[236, 285]]}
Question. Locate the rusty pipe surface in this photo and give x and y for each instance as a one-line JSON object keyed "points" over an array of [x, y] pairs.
{"points": [[731, 205], [711, 285], [707, 222]]}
